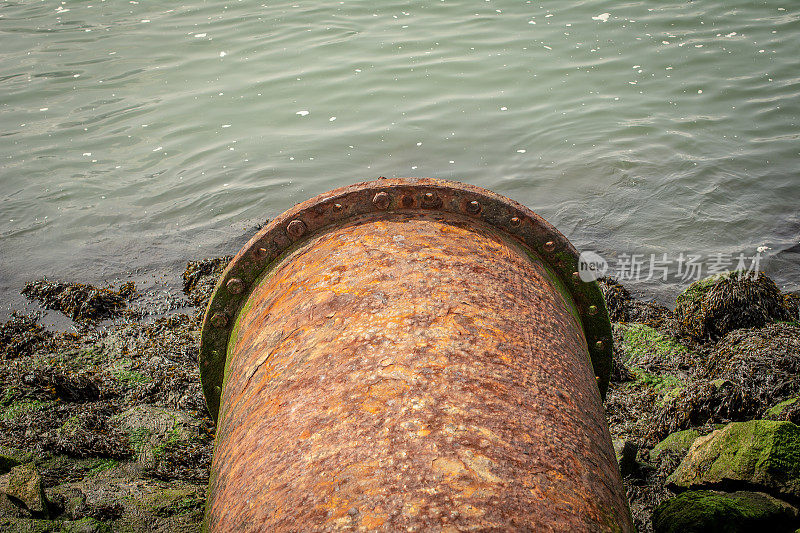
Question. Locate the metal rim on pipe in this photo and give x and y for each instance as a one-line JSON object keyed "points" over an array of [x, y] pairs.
{"points": [[337, 207]]}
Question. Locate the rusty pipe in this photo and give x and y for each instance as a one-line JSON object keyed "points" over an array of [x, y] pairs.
{"points": [[409, 354]]}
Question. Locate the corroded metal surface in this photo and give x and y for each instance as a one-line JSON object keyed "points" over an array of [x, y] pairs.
{"points": [[409, 195], [411, 370]]}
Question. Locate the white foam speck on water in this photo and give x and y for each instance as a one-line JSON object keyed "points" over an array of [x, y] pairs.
{"points": [[44, 109], [731, 34], [200, 35], [547, 47], [503, 109], [87, 153], [699, 91], [223, 54], [413, 168], [521, 151], [419, 143], [226, 125], [331, 119], [531, 22], [302, 113], [452, 162], [145, 21], [602, 17], [158, 149]]}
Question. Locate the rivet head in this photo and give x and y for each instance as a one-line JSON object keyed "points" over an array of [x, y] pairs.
{"points": [[592, 310], [219, 320], [260, 253], [549, 246], [430, 199], [474, 207], [296, 228], [599, 345], [235, 286], [381, 200], [515, 221]]}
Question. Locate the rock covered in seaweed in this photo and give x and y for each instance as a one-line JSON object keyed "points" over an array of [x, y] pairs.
{"points": [[623, 307], [714, 306], [79, 301], [200, 277], [765, 362]]}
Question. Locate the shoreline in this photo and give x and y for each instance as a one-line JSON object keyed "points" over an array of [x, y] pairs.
{"points": [[109, 420]]}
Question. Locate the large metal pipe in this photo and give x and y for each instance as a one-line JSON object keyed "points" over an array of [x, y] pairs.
{"points": [[409, 355]]}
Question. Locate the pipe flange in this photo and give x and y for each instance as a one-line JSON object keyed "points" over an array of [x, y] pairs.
{"points": [[336, 207]]}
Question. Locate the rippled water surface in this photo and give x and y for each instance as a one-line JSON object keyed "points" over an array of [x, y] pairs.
{"points": [[138, 135]]}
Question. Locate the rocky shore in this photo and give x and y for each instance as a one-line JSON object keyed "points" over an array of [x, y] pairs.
{"points": [[105, 428]]}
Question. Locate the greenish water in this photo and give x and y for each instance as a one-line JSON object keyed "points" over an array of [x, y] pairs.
{"points": [[138, 135]]}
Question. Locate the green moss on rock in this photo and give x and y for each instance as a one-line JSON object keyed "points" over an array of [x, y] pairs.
{"points": [[677, 443], [762, 453], [85, 525], [777, 412], [739, 512], [642, 346], [24, 485]]}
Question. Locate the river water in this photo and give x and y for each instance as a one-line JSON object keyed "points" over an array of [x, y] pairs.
{"points": [[137, 135]]}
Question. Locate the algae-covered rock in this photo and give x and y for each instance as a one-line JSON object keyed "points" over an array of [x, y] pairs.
{"points": [[85, 525], [24, 484], [29, 525], [623, 307], [22, 335], [200, 277], [711, 307], [646, 348], [677, 443], [738, 512], [9, 458], [149, 427], [168, 444], [785, 410], [765, 362], [80, 301], [762, 453], [703, 402]]}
